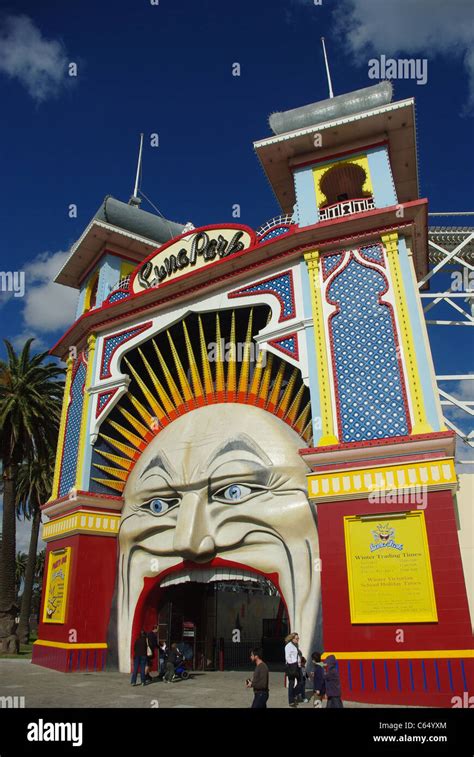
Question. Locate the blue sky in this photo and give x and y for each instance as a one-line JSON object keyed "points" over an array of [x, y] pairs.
{"points": [[167, 69]]}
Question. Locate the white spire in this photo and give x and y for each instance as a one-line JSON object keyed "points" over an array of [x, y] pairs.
{"points": [[331, 93], [135, 200]]}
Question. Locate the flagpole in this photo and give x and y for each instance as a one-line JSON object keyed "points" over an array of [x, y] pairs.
{"points": [[331, 93], [139, 167]]}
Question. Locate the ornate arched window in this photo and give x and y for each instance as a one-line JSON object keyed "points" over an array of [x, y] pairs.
{"points": [[343, 189], [344, 182]]}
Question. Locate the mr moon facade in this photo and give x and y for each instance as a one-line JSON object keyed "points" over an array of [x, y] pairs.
{"points": [[260, 409]]}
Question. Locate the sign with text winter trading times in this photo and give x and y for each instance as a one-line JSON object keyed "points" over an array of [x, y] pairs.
{"points": [[56, 586], [389, 569]]}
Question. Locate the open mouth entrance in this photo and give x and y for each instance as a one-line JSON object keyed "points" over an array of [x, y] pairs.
{"points": [[217, 615]]}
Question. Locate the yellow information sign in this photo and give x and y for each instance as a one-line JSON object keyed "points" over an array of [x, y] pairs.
{"points": [[56, 586], [389, 569]]}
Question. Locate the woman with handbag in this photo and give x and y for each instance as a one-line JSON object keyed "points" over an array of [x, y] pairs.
{"points": [[293, 668], [152, 644]]}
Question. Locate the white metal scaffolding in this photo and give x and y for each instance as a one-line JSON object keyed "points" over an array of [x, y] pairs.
{"points": [[449, 302]]}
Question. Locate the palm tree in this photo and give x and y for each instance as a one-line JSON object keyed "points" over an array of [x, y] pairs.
{"points": [[30, 401], [39, 567], [34, 484], [38, 585]]}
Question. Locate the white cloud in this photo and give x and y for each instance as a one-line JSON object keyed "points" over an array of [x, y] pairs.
{"points": [[403, 26], [19, 340], [23, 532], [464, 457], [39, 64], [47, 307], [463, 391], [23, 536]]}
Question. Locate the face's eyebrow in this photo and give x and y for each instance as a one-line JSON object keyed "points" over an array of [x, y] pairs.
{"points": [[240, 443], [159, 461]]}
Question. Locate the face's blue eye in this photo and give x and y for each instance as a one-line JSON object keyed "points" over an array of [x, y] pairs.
{"points": [[234, 493], [159, 506]]}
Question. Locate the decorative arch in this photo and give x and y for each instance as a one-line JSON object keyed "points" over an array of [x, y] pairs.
{"points": [[350, 177], [344, 182]]}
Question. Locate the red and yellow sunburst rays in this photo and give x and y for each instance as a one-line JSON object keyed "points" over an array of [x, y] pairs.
{"points": [[206, 374]]}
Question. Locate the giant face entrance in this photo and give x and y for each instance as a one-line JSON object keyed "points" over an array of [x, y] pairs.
{"points": [[218, 617]]}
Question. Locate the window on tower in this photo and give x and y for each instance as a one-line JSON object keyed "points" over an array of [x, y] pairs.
{"points": [[343, 193], [91, 293]]}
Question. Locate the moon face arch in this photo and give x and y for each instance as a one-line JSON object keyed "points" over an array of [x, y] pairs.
{"points": [[204, 449], [223, 482]]}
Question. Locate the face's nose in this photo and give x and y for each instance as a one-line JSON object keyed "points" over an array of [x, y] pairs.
{"points": [[193, 539]]}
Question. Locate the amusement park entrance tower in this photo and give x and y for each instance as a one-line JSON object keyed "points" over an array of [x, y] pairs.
{"points": [[251, 429]]}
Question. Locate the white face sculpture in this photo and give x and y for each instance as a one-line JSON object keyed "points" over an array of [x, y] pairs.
{"points": [[223, 481]]}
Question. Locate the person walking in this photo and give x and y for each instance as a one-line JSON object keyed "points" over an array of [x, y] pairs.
{"points": [[259, 682], [319, 685], [332, 682], [162, 657], [152, 645], [293, 668], [139, 659]]}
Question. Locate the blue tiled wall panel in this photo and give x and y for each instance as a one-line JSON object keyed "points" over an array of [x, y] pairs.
{"points": [[369, 384], [73, 430]]}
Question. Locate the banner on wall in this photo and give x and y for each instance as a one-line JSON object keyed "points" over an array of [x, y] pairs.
{"points": [[56, 586], [389, 569]]}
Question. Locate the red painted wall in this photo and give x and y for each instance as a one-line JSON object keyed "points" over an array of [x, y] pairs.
{"points": [[429, 682], [91, 586], [453, 629]]}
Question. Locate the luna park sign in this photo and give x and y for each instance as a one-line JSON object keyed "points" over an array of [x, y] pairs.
{"points": [[191, 252]]}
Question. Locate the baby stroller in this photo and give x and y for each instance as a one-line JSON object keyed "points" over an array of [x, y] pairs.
{"points": [[184, 662], [180, 671]]}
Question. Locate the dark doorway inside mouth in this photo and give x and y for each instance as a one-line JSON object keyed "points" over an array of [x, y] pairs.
{"points": [[217, 622]]}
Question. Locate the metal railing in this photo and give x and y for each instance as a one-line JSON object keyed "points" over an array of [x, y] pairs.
{"points": [[273, 223], [121, 284], [346, 208]]}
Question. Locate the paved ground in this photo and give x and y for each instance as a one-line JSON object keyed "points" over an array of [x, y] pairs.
{"points": [[42, 687]]}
